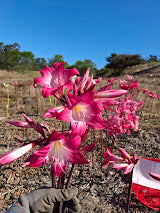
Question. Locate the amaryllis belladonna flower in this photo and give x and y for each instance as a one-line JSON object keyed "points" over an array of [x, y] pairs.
{"points": [[15, 83], [59, 152], [81, 111], [124, 117], [17, 153], [84, 84], [127, 85], [55, 78], [29, 123], [126, 161]]}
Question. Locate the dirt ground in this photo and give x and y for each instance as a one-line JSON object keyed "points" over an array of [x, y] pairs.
{"points": [[99, 191]]}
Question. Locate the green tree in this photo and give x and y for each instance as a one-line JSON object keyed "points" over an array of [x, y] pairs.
{"points": [[56, 59], [82, 66], [39, 63], [26, 60], [1, 55], [153, 58], [9, 56], [119, 62]]}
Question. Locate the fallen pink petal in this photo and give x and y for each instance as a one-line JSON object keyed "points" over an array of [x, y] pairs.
{"points": [[155, 176]]}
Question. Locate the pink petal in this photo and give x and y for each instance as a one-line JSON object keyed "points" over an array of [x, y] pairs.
{"points": [[107, 162], [59, 67], [128, 169], [83, 80], [71, 72], [48, 91], [65, 115], [110, 93], [44, 150], [11, 156], [40, 80], [120, 166], [84, 136], [124, 154], [108, 102], [72, 100], [90, 83], [38, 162], [77, 158], [73, 143], [53, 112], [59, 168], [36, 126], [88, 148], [155, 176], [23, 124], [107, 87], [55, 136], [31, 159], [78, 127], [112, 156], [69, 85], [135, 158]]}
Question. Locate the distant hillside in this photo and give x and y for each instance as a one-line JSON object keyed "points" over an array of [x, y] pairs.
{"points": [[143, 69]]}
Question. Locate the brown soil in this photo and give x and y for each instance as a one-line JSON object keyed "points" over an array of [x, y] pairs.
{"points": [[101, 192]]}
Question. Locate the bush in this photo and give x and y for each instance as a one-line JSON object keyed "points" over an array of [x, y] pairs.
{"points": [[119, 62]]}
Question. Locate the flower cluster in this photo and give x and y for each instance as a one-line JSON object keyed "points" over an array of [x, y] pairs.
{"points": [[124, 117], [85, 108], [128, 84], [150, 93]]}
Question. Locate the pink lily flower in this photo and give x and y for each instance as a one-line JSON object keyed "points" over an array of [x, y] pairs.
{"points": [[124, 118], [15, 83], [128, 164], [129, 77], [59, 152], [42, 141], [127, 167], [98, 81], [13, 155], [29, 123], [55, 78], [155, 176], [110, 158], [82, 111], [128, 85], [154, 96], [85, 83]]}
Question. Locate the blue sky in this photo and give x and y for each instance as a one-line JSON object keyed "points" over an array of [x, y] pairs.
{"points": [[91, 29]]}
